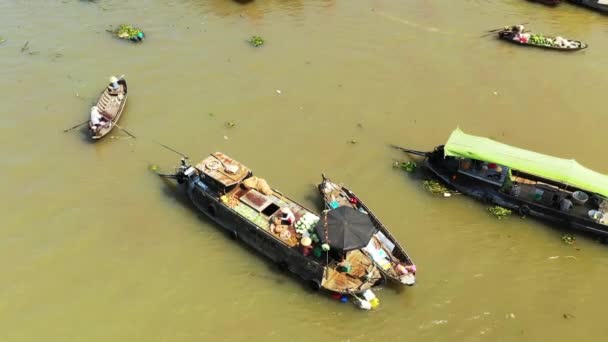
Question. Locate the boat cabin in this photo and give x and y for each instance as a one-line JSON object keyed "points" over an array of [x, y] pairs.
{"points": [[530, 177]]}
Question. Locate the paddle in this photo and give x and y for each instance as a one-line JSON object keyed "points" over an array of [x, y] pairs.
{"points": [[71, 128], [502, 28], [418, 153], [124, 130], [496, 30], [170, 149]]}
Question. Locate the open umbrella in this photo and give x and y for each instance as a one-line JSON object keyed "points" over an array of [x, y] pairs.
{"points": [[345, 228]]}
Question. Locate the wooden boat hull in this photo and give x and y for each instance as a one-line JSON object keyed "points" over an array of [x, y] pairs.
{"points": [[444, 169], [102, 132], [506, 38], [331, 191]]}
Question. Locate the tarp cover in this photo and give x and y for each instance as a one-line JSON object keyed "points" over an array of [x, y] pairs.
{"points": [[567, 171]]}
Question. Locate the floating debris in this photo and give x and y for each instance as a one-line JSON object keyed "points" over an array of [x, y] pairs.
{"points": [[408, 166], [568, 238], [2, 40], [230, 124], [435, 187], [128, 32], [256, 41], [211, 115], [352, 141], [499, 212], [567, 315], [279, 91]]}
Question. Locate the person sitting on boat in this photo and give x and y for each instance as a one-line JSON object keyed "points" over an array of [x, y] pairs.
{"points": [[287, 216], [97, 120], [114, 87]]}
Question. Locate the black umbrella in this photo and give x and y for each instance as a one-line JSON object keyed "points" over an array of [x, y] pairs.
{"points": [[345, 228]]}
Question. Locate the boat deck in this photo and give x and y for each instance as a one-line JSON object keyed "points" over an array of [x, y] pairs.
{"points": [[355, 278], [262, 209]]}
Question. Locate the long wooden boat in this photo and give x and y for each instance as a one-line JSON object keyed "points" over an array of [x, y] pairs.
{"points": [[547, 2], [508, 36], [599, 5], [383, 248], [251, 211], [530, 183], [110, 105]]}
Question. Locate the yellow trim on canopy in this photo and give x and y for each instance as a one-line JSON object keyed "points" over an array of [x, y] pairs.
{"points": [[566, 171]]}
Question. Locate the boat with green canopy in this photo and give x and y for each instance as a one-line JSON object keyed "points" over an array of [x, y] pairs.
{"points": [[531, 183]]}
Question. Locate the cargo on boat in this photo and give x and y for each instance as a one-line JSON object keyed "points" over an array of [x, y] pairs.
{"points": [[392, 260], [110, 105], [279, 228], [532, 184], [517, 35]]}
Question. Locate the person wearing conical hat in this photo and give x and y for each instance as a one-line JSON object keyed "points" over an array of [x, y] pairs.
{"points": [[113, 87]]}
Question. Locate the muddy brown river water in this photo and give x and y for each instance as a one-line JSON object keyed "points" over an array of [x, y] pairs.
{"points": [[94, 247]]}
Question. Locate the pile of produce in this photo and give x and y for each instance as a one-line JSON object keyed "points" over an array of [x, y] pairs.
{"points": [[129, 32], [568, 239], [539, 39], [435, 187], [256, 41], [499, 212], [408, 166]]}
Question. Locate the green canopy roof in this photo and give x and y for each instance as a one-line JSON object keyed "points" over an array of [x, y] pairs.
{"points": [[567, 171]]}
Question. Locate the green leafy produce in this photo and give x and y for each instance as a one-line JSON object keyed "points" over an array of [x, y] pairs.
{"points": [[408, 166], [256, 41], [128, 32], [435, 187], [499, 212], [568, 239]]}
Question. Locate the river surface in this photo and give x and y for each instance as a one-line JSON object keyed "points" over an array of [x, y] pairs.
{"points": [[95, 247]]}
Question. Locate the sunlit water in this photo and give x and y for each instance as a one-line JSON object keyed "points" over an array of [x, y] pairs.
{"points": [[94, 247]]}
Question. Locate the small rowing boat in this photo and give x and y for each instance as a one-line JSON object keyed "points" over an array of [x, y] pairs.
{"points": [[383, 248], [517, 35], [110, 105]]}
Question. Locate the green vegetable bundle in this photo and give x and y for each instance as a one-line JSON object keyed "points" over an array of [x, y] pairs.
{"points": [[539, 39], [408, 166], [128, 32], [256, 41], [499, 212], [434, 187]]}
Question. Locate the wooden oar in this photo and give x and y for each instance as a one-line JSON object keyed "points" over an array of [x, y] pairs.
{"points": [[124, 130], [418, 153], [71, 128], [496, 30]]}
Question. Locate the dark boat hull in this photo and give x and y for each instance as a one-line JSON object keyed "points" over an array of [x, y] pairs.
{"points": [[490, 194], [510, 40], [547, 2], [593, 4], [242, 229]]}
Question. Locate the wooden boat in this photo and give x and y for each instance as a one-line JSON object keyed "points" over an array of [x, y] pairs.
{"points": [[530, 183], [383, 248], [599, 5], [547, 2], [110, 105], [510, 37], [250, 210]]}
